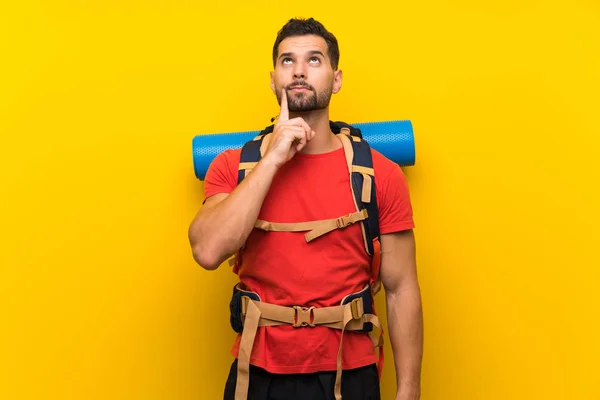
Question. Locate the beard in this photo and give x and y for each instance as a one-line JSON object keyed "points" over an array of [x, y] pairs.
{"points": [[306, 100]]}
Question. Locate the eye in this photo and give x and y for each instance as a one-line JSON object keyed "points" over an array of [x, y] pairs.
{"points": [[315, 59], [285, 60]]}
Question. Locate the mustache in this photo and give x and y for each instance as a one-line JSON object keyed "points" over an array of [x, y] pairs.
{"points": [[300, 83]]}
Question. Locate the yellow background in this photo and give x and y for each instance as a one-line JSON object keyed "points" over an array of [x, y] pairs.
{"points": [[99, 101]]}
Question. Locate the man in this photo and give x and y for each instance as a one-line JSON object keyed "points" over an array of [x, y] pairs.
{"points": [[303, 176]]}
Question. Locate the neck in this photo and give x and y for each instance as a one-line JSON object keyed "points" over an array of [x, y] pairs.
{"points": [[324, 140]]}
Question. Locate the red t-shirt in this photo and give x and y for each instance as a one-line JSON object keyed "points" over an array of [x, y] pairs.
{"points": [[284, 269]]}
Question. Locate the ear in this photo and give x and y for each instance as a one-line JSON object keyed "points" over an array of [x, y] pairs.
{"points": [[337, 80], [273, 82]]}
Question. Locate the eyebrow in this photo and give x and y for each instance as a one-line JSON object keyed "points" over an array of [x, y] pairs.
{"points": [[312, 53]]}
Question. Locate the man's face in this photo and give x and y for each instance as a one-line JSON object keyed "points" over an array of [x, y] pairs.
{"points": [[304, 69]]}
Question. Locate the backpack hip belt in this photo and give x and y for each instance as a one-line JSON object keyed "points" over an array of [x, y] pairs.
{"points": [[248, 313]]}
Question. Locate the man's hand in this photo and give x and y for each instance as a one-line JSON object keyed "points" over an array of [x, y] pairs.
{"points": [[289, 135]]}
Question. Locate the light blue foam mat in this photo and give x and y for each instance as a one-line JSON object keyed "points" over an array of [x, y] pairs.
{"points": [[393, 139]]}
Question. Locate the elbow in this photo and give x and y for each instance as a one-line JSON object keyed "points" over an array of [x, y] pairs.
{"points": [[202, 256]]}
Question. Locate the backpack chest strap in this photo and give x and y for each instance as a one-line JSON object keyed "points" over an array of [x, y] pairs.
{"points": [[316, 228]]}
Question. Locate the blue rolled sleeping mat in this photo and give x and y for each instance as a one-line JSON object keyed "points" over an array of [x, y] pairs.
{"points": [[394, 139]]}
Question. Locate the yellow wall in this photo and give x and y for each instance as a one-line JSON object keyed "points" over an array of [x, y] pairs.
{"points": [[99, 101]]}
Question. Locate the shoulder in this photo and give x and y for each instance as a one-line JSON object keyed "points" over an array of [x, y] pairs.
{"points": [[390, 181], [393, 195], [383, 167], [221, 176], [226, 160], [231, 155]]}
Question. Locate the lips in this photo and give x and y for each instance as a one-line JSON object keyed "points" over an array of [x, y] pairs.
{"points": [[300, 86]]}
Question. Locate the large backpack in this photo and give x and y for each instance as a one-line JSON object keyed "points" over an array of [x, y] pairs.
{"points": [[248, 312]]}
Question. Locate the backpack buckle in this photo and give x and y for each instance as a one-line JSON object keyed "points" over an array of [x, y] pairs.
{"points": [[244, 300], [303, 316], [357, 309], [343, 222]]}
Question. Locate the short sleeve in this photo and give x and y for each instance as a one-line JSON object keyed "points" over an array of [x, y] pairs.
{"points": [[221, 176], [395, 208]]}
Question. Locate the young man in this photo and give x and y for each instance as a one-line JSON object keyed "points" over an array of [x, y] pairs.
{"points": [[303, 176]]}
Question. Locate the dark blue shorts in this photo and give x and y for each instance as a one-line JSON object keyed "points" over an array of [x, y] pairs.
{"points": [[357, 384]]}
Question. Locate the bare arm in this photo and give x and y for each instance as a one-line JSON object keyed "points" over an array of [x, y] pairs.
{"points": [[404, 310], [223, 224]]}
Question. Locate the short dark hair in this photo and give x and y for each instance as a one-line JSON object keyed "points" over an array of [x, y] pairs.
{"points": [[300, 27]]}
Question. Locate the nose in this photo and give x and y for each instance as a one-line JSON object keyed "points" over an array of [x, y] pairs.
{"points": [[299, 71]]}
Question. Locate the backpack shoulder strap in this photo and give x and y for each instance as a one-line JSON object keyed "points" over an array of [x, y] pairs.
{"points": [[337, 126], [252, 152], [362, 176]]}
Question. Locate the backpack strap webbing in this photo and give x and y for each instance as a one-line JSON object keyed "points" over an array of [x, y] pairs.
{"points": [[251, 154], [362, 177]]}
